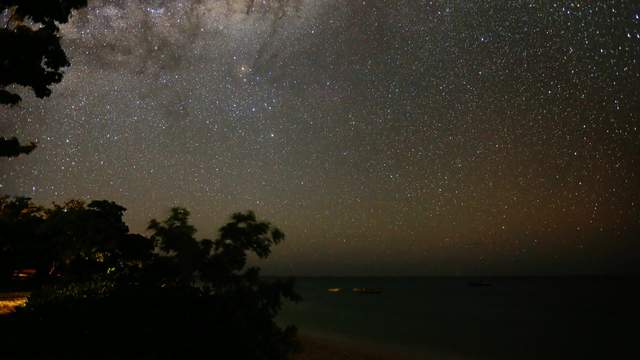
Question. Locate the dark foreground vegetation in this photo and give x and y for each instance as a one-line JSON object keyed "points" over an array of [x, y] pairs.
{"points": [[100, 292]]}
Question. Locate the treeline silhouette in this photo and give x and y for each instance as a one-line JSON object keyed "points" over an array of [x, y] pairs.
{"points": [[100, 292]]}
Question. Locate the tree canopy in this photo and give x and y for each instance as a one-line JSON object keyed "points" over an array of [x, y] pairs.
{"points": [[31, 53], [12, 147], [35, 58], [168, 295]]}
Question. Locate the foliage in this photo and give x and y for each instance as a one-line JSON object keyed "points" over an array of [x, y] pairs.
{"points": [[34, 57], [12, 147], [19, 221], [31, 53], [73, 239], [119, 295]]}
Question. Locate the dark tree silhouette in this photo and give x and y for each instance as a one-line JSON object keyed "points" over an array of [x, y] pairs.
{"points": [[73, 239], [19, 221], [32, 55], [168, 296], [12, 147]]}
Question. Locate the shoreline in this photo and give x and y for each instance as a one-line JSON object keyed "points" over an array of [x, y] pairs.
{"points": [[329, 347], [314, 347]]}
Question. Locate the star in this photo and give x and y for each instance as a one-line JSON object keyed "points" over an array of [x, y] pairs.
{"points": [[395, 126]]}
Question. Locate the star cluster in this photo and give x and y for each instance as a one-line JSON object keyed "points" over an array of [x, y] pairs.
{"points": [[384, 137]]}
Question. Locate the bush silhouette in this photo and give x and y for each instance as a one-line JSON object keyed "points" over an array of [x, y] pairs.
{"points": [[169, 296]]}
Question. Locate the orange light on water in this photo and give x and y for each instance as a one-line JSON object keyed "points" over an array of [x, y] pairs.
{"points": [[9, 305]]}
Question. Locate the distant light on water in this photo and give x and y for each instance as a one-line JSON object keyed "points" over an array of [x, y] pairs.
{"points": [[9, 302]]}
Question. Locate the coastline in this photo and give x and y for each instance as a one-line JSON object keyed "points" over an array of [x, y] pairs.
{"points": [[326, 347], [320, 348]]}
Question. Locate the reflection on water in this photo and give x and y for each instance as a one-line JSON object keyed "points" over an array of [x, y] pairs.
{"points": [[10, 301]]}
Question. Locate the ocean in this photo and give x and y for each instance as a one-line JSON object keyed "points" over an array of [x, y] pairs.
{"points": [[475, 318]]}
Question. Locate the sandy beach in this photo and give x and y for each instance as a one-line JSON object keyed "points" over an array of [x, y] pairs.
{"points": [[317, 347], [314, 348]]}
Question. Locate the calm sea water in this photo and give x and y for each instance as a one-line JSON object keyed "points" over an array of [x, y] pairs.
{"points": [[514, 318]]}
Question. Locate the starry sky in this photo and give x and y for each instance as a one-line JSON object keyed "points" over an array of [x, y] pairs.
{"points": [[383, 137]]}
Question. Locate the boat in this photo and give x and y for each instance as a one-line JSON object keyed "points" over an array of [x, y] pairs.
{"points": [[334, 290], [367, 290]]}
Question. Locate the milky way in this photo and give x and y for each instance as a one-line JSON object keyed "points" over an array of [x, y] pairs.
{"points": [[383, 137]]}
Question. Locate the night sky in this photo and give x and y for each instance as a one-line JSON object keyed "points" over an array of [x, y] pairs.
{"points": [[383, 137]]}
